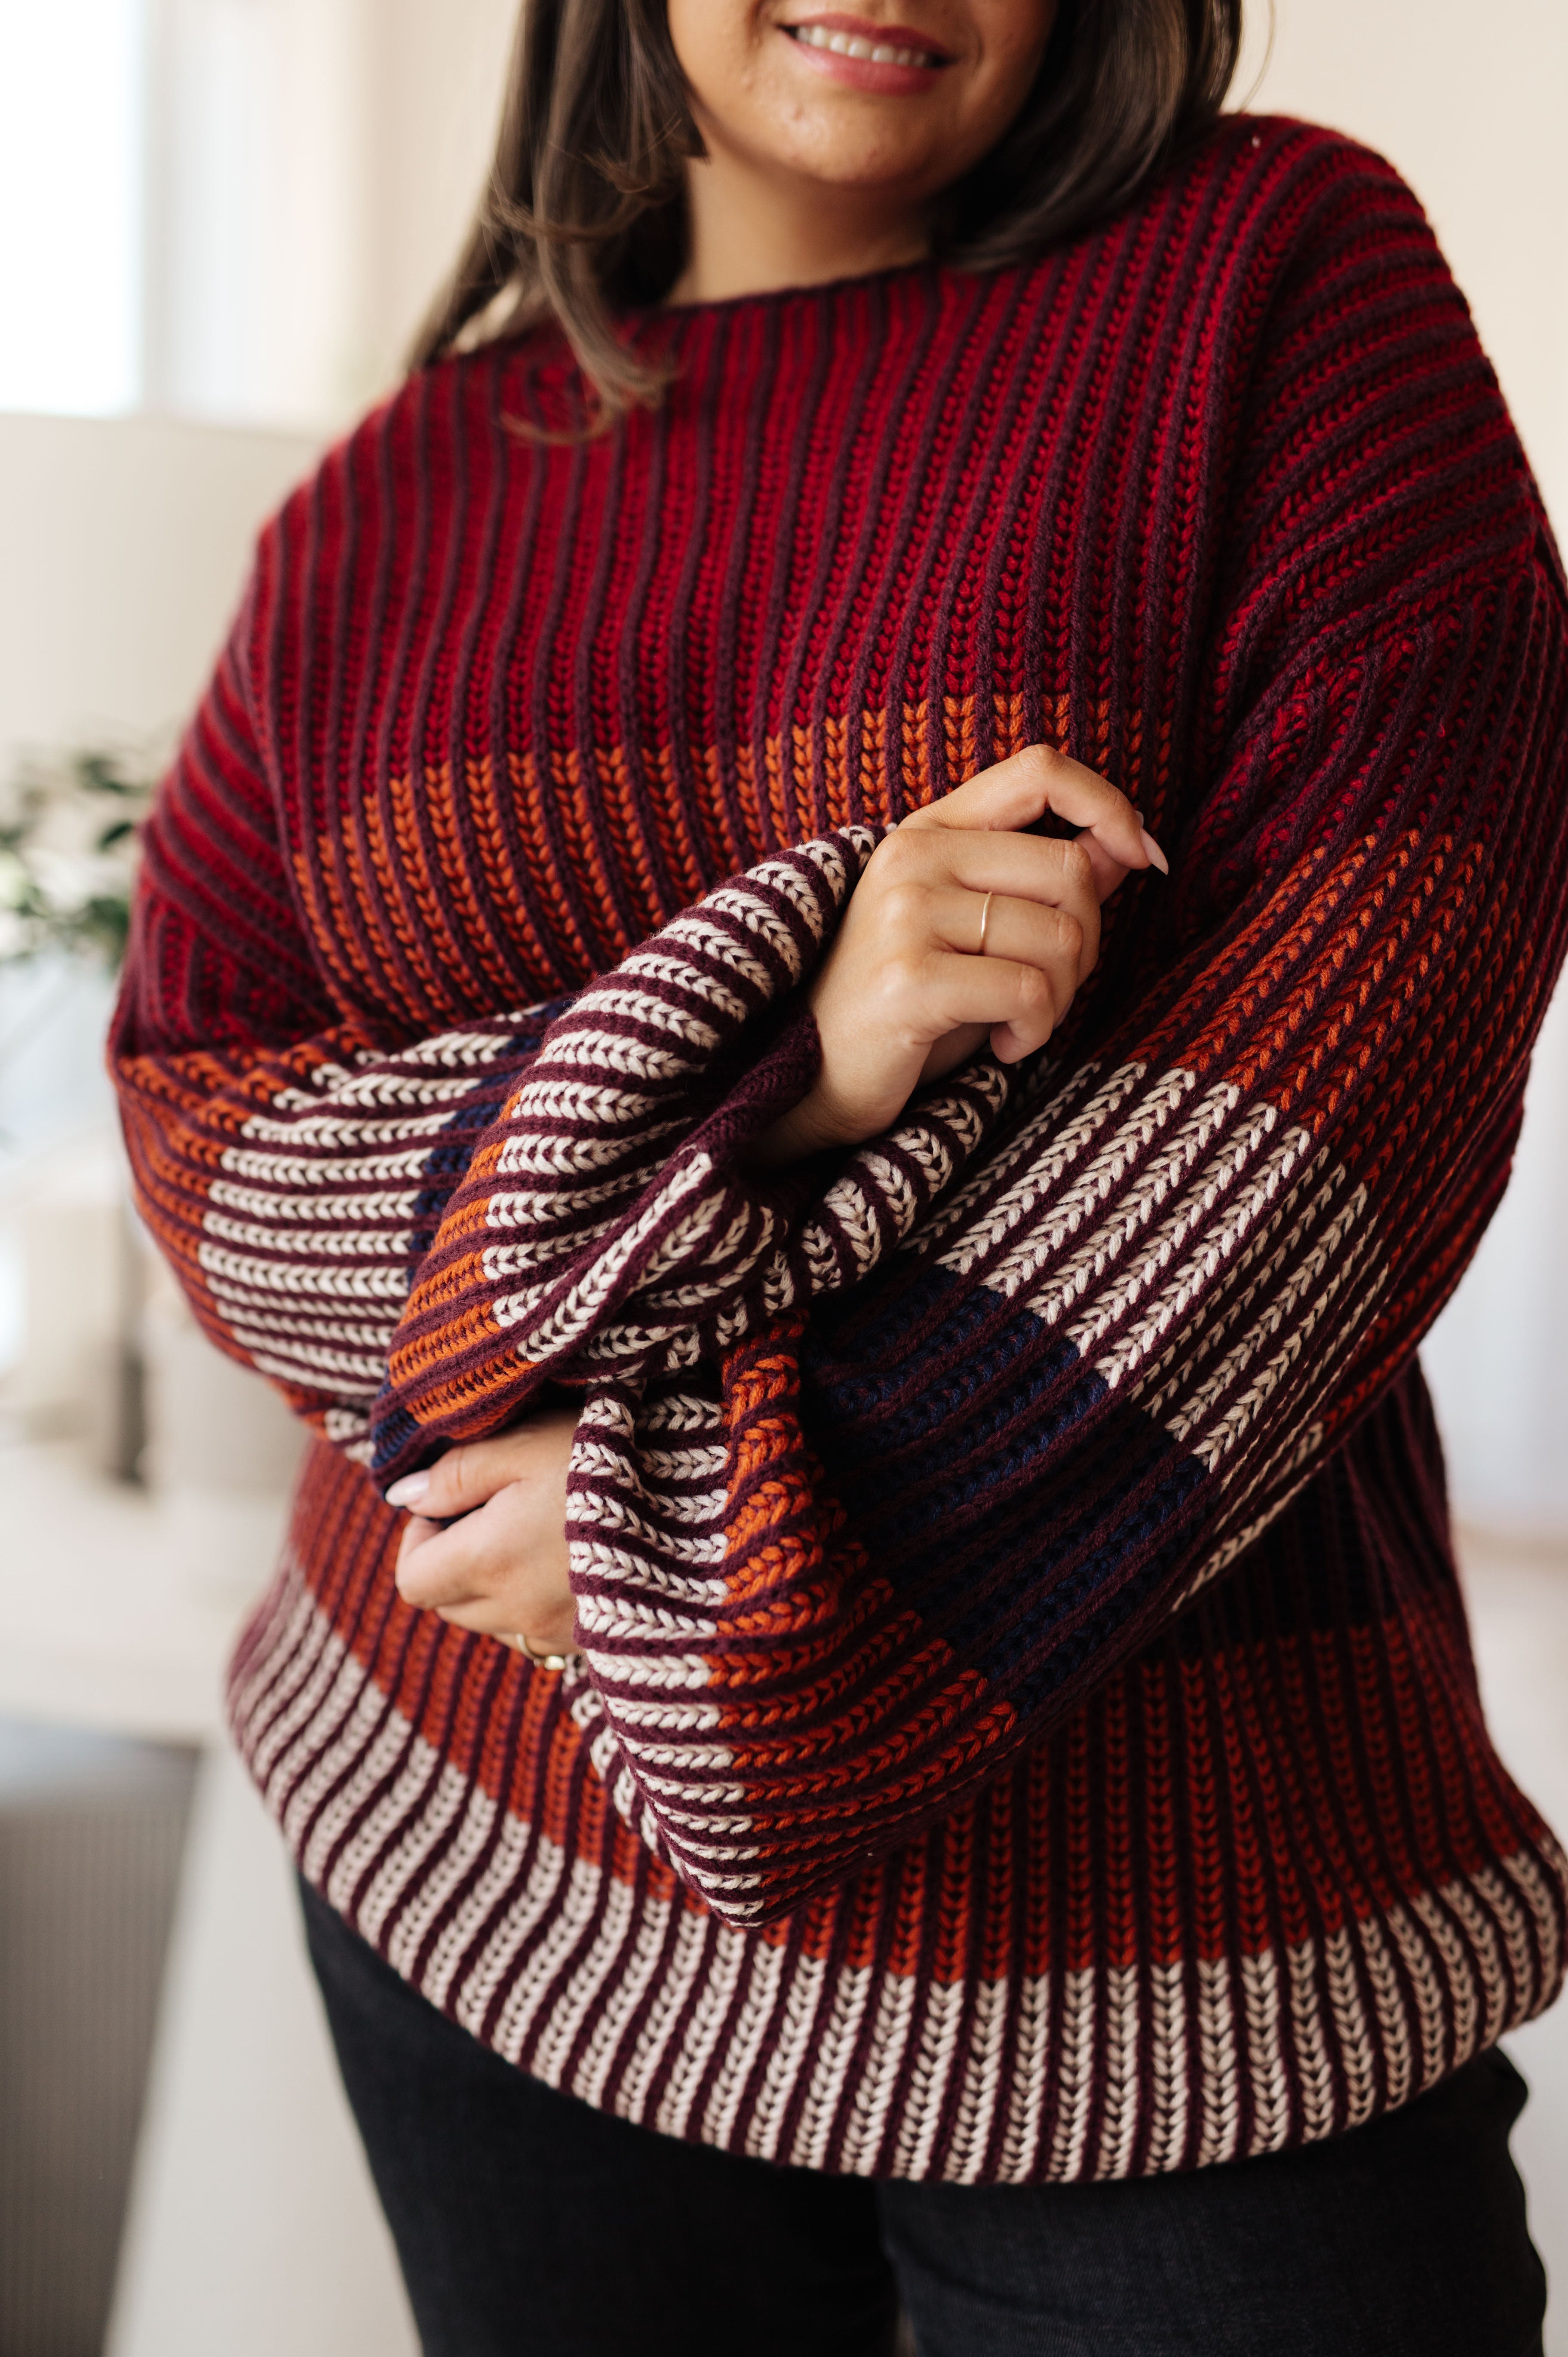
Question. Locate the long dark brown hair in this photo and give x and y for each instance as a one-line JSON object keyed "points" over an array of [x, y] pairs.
{"points": [[585, 216]]}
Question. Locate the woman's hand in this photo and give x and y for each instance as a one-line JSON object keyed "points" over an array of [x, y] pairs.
{"points": [[904, 995], [502, 1568]]}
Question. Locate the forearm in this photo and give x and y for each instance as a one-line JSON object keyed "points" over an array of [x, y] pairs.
{"points": [[829, 1589]]}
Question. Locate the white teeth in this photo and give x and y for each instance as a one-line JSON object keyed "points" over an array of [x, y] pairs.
{"points": [[847, 45]]}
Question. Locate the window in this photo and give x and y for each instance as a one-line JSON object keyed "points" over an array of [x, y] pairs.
{"points": [[72, 113], [182, 209]]}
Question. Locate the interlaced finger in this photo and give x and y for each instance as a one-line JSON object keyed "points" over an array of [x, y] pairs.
{"points": [[1060, 941], [554, 1635], [1018, 793], [1026, 866], [470, 1558], [1023, 1002]]}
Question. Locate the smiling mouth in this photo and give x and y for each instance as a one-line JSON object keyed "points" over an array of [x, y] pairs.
{"points": [[856, 45]]}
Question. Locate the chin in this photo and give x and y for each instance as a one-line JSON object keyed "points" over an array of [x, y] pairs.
{"points": [[866, 166]]}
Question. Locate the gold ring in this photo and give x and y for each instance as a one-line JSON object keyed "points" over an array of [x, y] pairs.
{"points": [[985, 922], [539, 1660]]}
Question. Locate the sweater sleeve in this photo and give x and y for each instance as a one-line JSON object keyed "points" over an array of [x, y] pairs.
{"points": [[880, 1471], [292, 1168], [296, 1169]]}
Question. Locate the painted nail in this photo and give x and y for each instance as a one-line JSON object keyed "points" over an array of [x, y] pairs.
{"points": [[410, 1492], [1156, 856]]}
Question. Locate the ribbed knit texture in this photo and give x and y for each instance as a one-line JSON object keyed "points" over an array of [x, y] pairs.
{"points": [[1027, 1728]]}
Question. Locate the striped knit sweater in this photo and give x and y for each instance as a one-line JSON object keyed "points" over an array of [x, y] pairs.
{"points": [[1025, 1728]]}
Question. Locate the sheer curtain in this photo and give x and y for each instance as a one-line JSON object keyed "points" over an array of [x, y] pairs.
{"points": [[72, 158]]}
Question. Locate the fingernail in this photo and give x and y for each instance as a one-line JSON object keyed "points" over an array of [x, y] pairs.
{"points": [[1156, 856], [410, 1492]]}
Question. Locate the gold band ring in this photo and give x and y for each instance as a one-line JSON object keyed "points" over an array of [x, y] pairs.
{"points": [[539, 1660], [984, 923]]}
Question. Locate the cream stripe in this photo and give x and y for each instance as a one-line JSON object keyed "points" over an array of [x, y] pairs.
{"points": [[696, 1936], [1354, 2048], [1170, 2067], [1119, 2118], [612, 1942], [1219, 2063], [935, 2043], [569, 1958], [728, 1962], [1315, 2065], [976, 2109], [787, 2056], [1078, 2013], [830, 2072], [758, 2017], [1268, 2082], [1027, 2088], [539, 1887], [1398, 2048], [621, 2004], [870, 2105]]}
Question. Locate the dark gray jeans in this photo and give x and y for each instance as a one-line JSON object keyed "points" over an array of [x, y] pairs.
{"points": [[529, 2226]]}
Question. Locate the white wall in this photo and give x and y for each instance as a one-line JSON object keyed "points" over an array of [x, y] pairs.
{"points": [[1469, 102], [436, 78], [74, 70], [126, 546], [256, 210], [125, 543], [318, 162]]}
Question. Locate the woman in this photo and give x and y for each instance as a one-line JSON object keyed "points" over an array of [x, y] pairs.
{"points": [[868, 1685]]}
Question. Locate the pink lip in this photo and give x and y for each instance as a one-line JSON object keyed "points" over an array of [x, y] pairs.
{"points": [[864, 73]]}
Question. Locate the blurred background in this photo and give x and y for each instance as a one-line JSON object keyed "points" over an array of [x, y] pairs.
{"points": [[220, 222]]}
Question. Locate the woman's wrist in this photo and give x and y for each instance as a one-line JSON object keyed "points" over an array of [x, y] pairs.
{"points": [[795, 1137]]}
